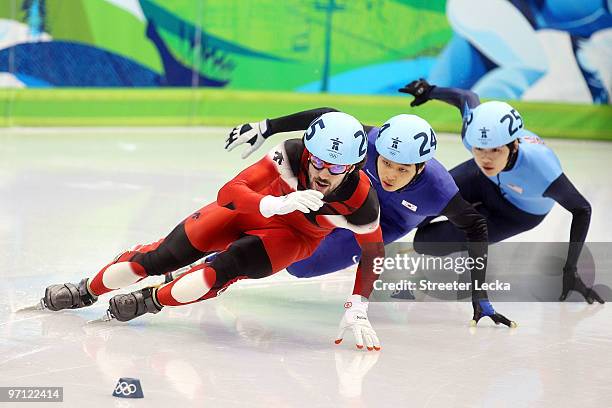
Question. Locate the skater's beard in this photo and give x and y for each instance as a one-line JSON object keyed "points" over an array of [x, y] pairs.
{"points": [[323, 181], [321, 185]]}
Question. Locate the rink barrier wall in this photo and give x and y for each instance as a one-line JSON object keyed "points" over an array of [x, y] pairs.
{"points": [[188, 107]]}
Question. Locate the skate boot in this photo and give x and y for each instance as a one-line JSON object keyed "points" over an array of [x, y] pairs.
{"points": [[68, 296], [131, 305]]}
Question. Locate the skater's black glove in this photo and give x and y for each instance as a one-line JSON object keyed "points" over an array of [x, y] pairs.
{"points": [[572, 281], [482, 308], [420, 89]]}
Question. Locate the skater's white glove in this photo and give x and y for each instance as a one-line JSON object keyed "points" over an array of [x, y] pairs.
{"points": [[356, 319], [252, 133], [304, 201]]}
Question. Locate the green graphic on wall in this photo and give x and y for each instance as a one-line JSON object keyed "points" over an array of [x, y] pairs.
{"points": [[339, 46]]}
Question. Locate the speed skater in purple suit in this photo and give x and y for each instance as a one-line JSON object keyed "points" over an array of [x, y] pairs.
{"points": [[411, 185]]}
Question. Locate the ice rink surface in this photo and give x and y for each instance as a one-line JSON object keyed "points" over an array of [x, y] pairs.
{"points": [[71, 199]]}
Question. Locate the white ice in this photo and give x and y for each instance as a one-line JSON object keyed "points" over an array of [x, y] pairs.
{"points": [[71, 199]]}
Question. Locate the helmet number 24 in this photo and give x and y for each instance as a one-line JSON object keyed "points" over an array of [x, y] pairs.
{"points": [[432, 145]]}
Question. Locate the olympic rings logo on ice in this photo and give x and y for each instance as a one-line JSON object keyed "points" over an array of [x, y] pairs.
{"points": [[125, 388]]}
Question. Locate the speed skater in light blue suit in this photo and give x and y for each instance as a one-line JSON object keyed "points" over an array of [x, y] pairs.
{"points": [[410, 183], [514, 180]]}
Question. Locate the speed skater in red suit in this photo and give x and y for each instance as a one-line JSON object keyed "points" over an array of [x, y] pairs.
{"points": [[269, 216]]}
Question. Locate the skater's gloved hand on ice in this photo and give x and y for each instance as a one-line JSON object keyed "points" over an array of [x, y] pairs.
{"points": [[572, 281], [356, 319], [482, 307], [304, 201], [252, 133], [420, 89]]}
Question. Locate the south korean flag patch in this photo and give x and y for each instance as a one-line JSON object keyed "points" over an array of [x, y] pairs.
{"points": [[409, 205]]}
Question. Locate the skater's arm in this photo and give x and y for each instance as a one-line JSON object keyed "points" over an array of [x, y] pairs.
{"points": [[364, 222], [355, 319], [242, 192], [465, 217], [295, 121], [255, 134], [462, 99], [563, 191], [249, 191], [299, 121], [372, 247]]}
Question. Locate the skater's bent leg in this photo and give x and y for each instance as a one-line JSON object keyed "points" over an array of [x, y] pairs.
{"points": [[471, 182], [443, 238], [252, 256], [208, 229], [169, 254], [245, 258], [513, 222], [188, 242], [439, 239]]}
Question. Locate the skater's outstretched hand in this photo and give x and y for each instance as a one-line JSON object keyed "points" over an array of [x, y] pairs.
{"points": [[572, 281], [356, 319], [482, 308], [420, 89], [252, 133]]}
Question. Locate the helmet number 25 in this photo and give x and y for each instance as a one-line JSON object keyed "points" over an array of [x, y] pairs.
{"points": [[432, 144], [313, 128], [511, 129], [362, 146]]}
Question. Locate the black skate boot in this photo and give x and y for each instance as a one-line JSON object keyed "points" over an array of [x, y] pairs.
{"points": [[131, 305], [68, 296]]}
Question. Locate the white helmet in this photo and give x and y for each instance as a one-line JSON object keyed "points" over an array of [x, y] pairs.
{"points": [[406, 139], [493, 124], [337, 138]]}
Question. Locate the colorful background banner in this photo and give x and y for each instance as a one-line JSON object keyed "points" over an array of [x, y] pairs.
{"points": [[557, 51], [547, 50]]}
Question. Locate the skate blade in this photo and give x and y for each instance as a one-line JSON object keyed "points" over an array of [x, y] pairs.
{"points": [[104, 319], [513, 324], [37, 307]]}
